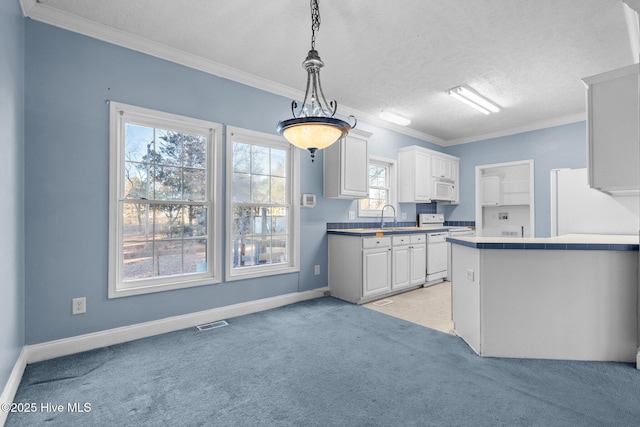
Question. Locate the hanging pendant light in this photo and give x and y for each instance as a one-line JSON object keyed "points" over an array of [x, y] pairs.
{"points": [[313, 126]]}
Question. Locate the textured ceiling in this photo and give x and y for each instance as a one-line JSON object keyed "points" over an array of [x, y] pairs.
{"points": [[400, 56]]}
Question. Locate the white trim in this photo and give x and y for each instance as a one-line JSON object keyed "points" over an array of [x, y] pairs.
{"points": [[58, 18], [119, 114], [10, 389], [293, 194], [80, 343], [392, 164], [513, 131], [631, 17], [478, 204]]}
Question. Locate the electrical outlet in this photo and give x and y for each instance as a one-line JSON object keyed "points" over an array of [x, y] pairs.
{"points": [[317, 270], [404, 216], [79, 305], [352, 215]]}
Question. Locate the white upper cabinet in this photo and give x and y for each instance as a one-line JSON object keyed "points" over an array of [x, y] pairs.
{"points": [[441, 167], [612, 131], [419, 169], [346, 167], [414, 175], [491, 191]]}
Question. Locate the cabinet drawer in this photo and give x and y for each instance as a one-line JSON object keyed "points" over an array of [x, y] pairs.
{"points": [[376, 242], [401, 240], [418, 238]]}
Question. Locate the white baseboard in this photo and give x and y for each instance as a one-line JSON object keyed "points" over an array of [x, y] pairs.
{"points": [[11, 387], [66, 346]]}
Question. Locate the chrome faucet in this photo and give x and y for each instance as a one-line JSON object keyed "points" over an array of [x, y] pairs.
{"points": [[382, 215]]}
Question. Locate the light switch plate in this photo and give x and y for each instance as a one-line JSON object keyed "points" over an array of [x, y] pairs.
{"points": [[470, 274], [352, 215]]}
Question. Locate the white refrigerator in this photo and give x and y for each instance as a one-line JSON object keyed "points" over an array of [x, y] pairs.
{"points": [[578, 209]]}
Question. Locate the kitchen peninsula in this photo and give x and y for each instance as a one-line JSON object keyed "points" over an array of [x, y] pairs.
{"points": [[568, 297]]}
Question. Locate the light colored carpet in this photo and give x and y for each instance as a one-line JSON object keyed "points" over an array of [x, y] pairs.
{"points": [[430, 306]]}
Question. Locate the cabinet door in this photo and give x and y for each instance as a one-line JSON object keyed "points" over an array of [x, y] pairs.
{"points": [[376, 274], [422, 177], [440, 167], [455, 176], [612, 104], [491, 191], [465, 294], [354, 167], [418, 264], [400, 267]]}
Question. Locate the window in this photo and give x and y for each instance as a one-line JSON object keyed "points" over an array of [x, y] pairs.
{"points": [[163, 191], [382, 187], [262, 209]]}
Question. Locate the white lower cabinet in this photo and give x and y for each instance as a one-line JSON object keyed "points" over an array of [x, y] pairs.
{"points": [[418, 258], [362, 269], [409, 261], [376, 271]]}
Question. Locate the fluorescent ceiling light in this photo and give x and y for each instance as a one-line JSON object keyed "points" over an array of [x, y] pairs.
{"points": [[394, 118], [474, 99]]}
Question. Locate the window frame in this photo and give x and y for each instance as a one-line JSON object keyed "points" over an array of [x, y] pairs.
{"points": [[293, 194], [120, 115], [391, 164]]}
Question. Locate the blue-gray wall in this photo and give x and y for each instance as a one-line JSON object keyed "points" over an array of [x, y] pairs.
{"points": [[11, 190], [550, 148], [69, 77]]}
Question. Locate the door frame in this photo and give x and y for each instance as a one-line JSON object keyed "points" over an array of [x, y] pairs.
{"points": [[532, 210]]}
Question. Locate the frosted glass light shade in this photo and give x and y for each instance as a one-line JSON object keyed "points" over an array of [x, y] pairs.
{"points": [[313, 132]]}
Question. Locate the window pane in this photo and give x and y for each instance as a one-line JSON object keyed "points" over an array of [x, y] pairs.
{"points": [[194, 151], [137, 247], [278, 162], [168, 147], [279, 221], [241, 188], [241, 157], [168, 183], [138, 143], [168, 257], [260, 160], [260, 231], [259, 189], [278, 249], [194, 184], [259, 236], [195, 221], [136, 183], [244, 251], [195, 256], [278, 190], [242, 220], [376, 204], [377, 176], [167, 222]]}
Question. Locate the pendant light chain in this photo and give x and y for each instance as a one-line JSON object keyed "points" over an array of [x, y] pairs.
{"points": [[313, 126], [315, 22]]}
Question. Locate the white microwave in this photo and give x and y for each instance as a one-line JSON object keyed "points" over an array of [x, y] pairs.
{"points": [[444, 190]]}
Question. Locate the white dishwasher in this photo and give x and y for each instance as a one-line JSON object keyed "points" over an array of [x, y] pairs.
{"points": [[437, 254]]}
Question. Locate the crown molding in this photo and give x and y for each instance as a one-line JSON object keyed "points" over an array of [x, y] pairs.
{"points": [[41, 12], [58, 18], [574, 118]]}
